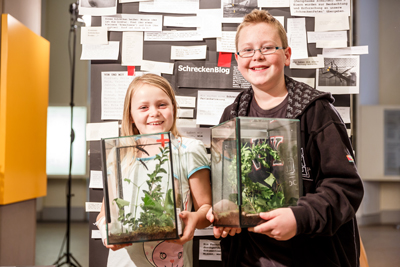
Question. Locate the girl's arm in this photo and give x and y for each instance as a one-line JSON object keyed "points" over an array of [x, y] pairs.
{"points": [[101, 224], [200, 190]]}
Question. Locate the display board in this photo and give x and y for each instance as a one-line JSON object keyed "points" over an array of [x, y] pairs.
{"points": [[189, 42]]}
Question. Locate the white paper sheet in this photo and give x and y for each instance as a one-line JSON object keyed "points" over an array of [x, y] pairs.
{"points": [[186, 123], [94, 35], [310, 8], [96, 179], [185, 113], [344, 112], [309, 81], [226, 43], [108, 51], [208, 231], [98, 7], [173, 36], [132, 49], [96, 234], [176, 7], [307, 63], [93, 206], [210, 23], [331, 22], [313, 37], [155, 66], [209, 250], [113, 89], [202, 134], [187, 21], [96, 131], [354, 50], [273, 3], [186, 101], [188, 52], [132, 22], [211, 104], [331, 44], [132, 1], [297, 37]]}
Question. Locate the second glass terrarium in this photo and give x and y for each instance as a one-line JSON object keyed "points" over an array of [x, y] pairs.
{"points": [[142, 189], [255, 166]]}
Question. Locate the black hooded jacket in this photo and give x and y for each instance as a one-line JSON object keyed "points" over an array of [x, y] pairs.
{"points": [[327, 231]]}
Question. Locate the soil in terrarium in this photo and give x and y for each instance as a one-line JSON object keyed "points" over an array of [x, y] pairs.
{"points": [[231, 219], [145, 234]]}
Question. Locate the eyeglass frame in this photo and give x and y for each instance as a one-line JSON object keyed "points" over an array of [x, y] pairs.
{"points": [[259, 49]]}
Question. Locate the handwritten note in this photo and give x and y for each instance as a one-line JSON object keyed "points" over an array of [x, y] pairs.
{"points": [[108, 51], [94, 35], [226, 43], [96, 179], [93, 206], [132, 48]]}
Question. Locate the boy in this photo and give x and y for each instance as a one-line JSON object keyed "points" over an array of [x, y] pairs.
{"points": [[322, 229]]}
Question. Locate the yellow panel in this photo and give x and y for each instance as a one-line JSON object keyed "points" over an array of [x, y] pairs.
{"points": [[23, 112]]}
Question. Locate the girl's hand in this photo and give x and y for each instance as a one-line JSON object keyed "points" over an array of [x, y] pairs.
{"points": [[190, 220], [281, 224], [222, 231], [116, 247]]}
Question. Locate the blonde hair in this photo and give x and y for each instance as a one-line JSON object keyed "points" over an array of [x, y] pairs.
{"points": [[129, 128], [261, 16]]}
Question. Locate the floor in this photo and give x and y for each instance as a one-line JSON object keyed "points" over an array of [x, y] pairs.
{"points": [[381, 243]]}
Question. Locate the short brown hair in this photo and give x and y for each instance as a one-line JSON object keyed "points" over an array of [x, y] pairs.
{"points": [[129, 128], [260, 16]]}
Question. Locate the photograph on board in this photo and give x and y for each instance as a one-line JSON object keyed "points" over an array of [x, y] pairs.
{"points": [[235, 10], [98, 7], [340, 75]]}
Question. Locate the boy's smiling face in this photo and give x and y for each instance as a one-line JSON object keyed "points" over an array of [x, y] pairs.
{"points": [[264, 72]]}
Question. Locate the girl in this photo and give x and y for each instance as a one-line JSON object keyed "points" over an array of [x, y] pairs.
{"points": [[150, 107]]}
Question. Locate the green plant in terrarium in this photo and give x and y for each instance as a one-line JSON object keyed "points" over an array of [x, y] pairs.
{"points": [[157, 213], [259, 193]]}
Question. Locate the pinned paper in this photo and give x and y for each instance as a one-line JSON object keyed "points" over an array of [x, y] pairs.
{"points": [[131, 70], [224, 59]]}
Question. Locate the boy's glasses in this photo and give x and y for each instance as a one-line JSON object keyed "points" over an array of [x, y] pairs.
{"points": [[266, 50]]}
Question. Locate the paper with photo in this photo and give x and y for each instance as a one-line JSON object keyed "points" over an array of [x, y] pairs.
{"points": [[307, 63], [168, 6], [226, 43], [331, 22], [210, 23], [132, 49], [331, 44], [96, 131], [211, 105], [132, 22], [187, 21], [274, 3], [98, 7], [353, 50], [297, 37], [94, 35], [186, 101], [308, 81], [202, 134], [155, 66], [233, 12], [96, 179], [173, 36], [340, 75], [108, 51], [188, 52], [344, 112], [310, 8]]}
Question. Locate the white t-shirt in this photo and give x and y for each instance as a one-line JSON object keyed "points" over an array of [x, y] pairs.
{"points": [[193, 157]]}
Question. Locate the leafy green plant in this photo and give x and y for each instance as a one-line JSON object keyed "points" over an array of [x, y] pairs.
{"points": [[156, 210], [257, 195]]}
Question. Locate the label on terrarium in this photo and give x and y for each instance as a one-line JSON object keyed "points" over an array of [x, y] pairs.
{"points": [[179, 220]]}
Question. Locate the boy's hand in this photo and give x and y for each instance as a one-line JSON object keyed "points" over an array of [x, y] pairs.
{"points": [[281, 224], [221, 231]]}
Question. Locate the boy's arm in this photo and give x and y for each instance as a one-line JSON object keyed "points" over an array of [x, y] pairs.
{"points": [[338, 187]]}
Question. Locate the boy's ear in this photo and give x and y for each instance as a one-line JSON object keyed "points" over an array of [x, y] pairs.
{"points": [[288, 54]]}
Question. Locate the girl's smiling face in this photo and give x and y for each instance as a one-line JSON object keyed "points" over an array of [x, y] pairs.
{"points": [[151, 110], [264, 72]]}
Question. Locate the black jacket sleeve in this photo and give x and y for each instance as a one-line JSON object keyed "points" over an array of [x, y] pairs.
{"points": [[334, 190]]}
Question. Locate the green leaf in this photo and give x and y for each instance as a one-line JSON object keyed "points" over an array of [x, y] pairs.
{"points": [[121, 202], [127, 180], [270, 180]]}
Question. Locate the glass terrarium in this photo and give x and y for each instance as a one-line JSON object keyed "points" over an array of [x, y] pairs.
{"points": [[255, 168], [142, 189]]}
